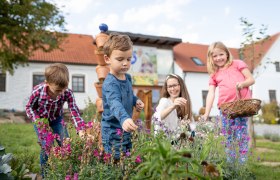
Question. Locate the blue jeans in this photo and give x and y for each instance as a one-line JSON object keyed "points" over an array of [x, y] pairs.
{"points": [[57, 128], [114, 143]]}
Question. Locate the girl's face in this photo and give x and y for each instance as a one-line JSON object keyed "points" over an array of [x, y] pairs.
{"points": [[219, 57], [119, 62], [173, 87]]}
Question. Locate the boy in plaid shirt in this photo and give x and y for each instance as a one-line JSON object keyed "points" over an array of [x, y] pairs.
{"points": [[47, 100]]}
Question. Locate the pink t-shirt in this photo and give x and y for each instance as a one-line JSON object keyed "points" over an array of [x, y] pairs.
{"points": [[226, 80]]}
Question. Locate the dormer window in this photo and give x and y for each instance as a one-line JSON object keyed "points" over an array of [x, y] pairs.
{"points": [[197, 61]]}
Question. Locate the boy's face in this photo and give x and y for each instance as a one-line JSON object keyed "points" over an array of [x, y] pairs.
{"points": [[54, 90], [119, 62]]}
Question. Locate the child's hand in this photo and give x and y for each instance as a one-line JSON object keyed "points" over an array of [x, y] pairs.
{"points": [[180, 101], [128, 125], [203, 118], [83, 134], [239, 85], [139, 105]]}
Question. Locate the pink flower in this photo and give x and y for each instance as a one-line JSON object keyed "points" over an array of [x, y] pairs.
{"points": [[68, 177], [89, 124], [106, 157], [96, 153], [63, 123], [138, 159], [76, 176], [119, 132]]}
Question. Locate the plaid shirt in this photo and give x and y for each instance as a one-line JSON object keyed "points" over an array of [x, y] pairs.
{"points": [[40, 105]]}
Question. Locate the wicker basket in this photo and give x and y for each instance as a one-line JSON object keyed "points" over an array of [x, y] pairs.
{"points": [[241, 107]]}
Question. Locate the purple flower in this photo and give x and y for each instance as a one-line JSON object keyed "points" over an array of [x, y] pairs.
{"points": [[127, 154]]}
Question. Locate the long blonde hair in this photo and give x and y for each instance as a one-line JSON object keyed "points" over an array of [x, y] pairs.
{"points": [[184, 110], [211, 67]]}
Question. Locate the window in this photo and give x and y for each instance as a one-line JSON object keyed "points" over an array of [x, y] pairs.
{"points": [[197, 61], [37, 79], [204, 95], [277, 65], [272, 95], [2, 82], [78, 83]]}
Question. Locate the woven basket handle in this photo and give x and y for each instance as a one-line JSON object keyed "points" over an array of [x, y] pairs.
{"points": [[238, 93]]}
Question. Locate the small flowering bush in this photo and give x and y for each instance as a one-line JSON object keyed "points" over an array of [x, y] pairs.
{"points": [[196, 150]]}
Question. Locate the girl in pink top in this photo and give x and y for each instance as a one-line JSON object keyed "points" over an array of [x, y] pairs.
{"points": [[228, 74]]}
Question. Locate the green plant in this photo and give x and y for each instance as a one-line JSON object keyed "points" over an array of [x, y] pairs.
{"points": [[162, 161], [5, 168], [270, 112], [24, 163], [89, 113]]}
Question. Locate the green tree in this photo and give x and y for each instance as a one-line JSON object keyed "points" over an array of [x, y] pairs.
{"points": [[26, 26], [251, 49]]}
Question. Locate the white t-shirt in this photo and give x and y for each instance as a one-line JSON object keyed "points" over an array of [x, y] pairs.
{"points": [[171, 120]]}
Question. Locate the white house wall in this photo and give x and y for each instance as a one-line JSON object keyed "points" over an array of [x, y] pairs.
{"points": [[19, 86], [196, 83], [266, 77]]}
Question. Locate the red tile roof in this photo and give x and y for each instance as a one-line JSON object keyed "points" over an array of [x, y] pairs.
{"points": [[183, 53], [76, 49]]}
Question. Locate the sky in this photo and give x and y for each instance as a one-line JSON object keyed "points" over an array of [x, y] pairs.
{"points": [[193, 21]]}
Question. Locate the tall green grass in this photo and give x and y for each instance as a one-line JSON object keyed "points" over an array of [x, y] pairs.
{"points": [[20, 140]]}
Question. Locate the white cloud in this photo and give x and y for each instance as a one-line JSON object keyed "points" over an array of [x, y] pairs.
{"points": [[227, 11], [233, 42], [166, 30], [169, 9], [190, 37], [112, 20], [74, 6]]}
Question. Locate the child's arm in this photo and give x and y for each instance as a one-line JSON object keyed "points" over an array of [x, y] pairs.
{"points": [[209, 101], [113, 97], [249, 80], [74, 110], [30, 107]]}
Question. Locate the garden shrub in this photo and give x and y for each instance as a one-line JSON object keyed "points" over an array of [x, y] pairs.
{"points": [[270, 111]]}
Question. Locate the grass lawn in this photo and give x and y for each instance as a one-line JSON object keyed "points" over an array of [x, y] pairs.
{"points": [[268, 164], [18, 138], [21, 139]]}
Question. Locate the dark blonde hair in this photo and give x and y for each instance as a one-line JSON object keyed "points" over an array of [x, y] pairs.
{"points": [[182, 111], [117, 41], [211, 67], [57, 74]]}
